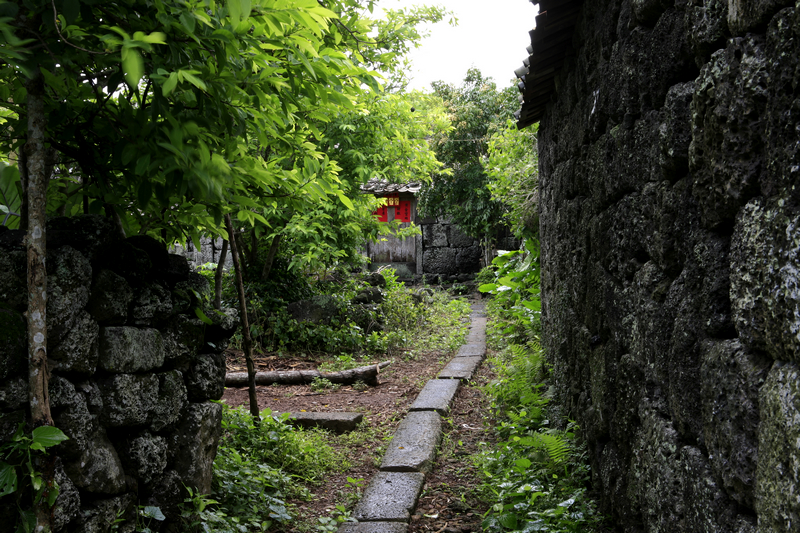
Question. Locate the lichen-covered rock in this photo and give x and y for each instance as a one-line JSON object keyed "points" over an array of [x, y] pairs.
{"points": [[726, 153], [183, 337], [439, 261], [224, 323], [13, 394], [97, 468], [151, 305], [126, 349], [777, 491], [99, 516], [747, 15], [193, 445], [731, 379], [434, 235], [766, 292], [675, 131], [167, 493], [783, 106], [185, 294], [146, 456], [128, 399], [648, 11], [13, 342], [707, 25], [172, 398], [68, 503], [468, 259], [69, 276], [206, 378], [111, 295], [13, 274], [78, 349]]}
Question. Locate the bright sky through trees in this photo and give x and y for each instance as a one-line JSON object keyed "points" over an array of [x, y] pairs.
{"points": [[491, 36]]}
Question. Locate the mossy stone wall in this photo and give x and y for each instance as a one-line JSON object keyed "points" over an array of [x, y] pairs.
{"points": [[670, 228]]}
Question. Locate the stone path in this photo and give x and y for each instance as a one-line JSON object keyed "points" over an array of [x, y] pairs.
{"points": [[390, 499]]}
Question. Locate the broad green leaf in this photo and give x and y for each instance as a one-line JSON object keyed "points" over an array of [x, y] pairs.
{"points": [[47, 436], [132, 65], [345, 200], [8, 479], [170, 84], [202, 316]]}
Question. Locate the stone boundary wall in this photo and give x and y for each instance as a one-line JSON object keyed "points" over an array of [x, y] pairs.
{"points": [[133, 370], [670, 229], [209, 251], [446, 253]]}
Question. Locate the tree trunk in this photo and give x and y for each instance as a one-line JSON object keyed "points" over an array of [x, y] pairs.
{"points": [[273, 250], [366, 374], [223, 255], [248, 342], [36, 192], [253, 253]]}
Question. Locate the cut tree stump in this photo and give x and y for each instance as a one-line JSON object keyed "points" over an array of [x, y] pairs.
{"points": [[365, 374]]}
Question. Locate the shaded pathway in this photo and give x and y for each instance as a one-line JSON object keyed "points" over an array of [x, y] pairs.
{"points": [[390, 499]]}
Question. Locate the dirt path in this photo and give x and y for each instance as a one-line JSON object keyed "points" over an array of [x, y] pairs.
{"points": [[449, 502]]}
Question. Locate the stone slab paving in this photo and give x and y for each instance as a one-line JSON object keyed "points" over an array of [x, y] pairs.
{"points": [[476, 349], [413, 447], [461, 368], [332, 421], [390, 497], [373, 527], [436, 395]]}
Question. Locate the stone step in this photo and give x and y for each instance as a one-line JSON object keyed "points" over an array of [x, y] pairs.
{"points": [[472, 350], [479, 323], [413, 447], [337, 422], [390, 497], [461, 368], [373, 527], [436, 395]]}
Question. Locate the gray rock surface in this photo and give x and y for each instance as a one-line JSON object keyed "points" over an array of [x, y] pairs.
{"points": [[128, 399], [193, 444], [69, 276], [78, 350], [373, 527], [13, 342], [732, 377], [461, 368], [778, 470], [336, 422], [126, 349], [146, 455], [669, 206], [414, 444], [475, 349], [390, 497], [111, 295], [205, 379], [766, 292], [172, 399], [436, 395]]}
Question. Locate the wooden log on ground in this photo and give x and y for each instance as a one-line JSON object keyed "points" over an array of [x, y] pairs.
{"points": [[365, 374]]}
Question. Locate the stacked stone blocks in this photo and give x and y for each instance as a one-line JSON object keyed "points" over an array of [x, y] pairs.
{"points": [[133, 371]]}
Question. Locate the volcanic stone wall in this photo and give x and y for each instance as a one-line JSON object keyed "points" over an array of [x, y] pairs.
{"points": [[133, 370], [448, 254], [670, 228]]}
